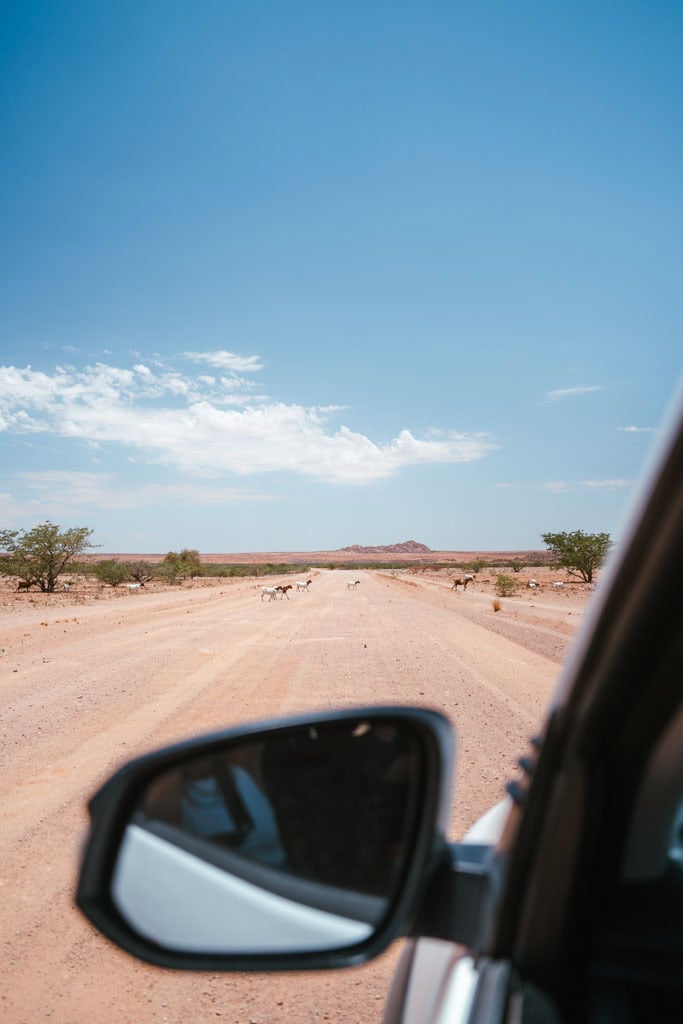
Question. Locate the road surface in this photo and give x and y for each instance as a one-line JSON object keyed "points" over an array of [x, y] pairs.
{"points": [[87, 687]]}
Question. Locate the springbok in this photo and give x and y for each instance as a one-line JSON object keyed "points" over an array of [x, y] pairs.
{"points": [[462, 581]]}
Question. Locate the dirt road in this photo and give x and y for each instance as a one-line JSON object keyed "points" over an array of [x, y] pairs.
{"points": [[85, 688]]}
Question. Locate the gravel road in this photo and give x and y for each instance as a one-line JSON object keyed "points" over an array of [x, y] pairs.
{"points": [[87, 687]]}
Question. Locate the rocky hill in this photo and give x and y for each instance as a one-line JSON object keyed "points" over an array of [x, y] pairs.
{"points": [[408, 547]]}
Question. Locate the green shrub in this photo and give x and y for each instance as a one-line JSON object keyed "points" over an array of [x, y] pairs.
{"points": [[180, 566], [141, 572], [475, 565], [505, 586], [111, 572]]}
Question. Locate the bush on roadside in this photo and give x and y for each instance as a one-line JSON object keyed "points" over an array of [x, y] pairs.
{"points": [[141, 572], [505, 586], [177, 567], [475, 565], [111, 571]]}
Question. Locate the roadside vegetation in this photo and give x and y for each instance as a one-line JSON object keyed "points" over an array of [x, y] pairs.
{"points": [[581, 554], [176, 567], [506, 586], [39, 556], [112, 572]]}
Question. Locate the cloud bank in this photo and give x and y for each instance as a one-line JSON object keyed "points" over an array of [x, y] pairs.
{"points": [[211, 425]]}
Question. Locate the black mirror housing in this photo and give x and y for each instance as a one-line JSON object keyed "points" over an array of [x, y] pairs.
{"points": [[301, 843]]}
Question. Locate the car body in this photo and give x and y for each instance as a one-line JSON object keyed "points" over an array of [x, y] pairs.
{"points": [[563, 904]]}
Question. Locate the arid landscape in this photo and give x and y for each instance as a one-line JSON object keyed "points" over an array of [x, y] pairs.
{"points": [[97, 675]]}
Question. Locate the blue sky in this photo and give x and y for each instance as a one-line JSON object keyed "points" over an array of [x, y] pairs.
{"points": [[297, 276]]}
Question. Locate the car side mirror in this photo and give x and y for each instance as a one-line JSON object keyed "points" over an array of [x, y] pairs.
{"points": [[303, 843]]}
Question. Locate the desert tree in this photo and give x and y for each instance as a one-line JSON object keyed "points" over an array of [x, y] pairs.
{"points": [[581, 554], [141, 571], [39, 556], [177, 566]]}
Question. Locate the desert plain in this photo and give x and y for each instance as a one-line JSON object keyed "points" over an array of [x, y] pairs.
{"points": [[96, 676]]}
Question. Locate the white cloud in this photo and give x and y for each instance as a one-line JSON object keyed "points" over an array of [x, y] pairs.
{"points": [[608, 485], [38, 447], [566, 487], [226, 361], [195, 425], [556, 486], [553, 396], [638, 430]]}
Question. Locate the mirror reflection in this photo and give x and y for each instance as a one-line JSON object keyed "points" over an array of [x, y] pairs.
{"points": [[293, 841]]}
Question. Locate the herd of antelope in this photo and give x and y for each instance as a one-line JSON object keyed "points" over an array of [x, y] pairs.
{"points": [[273, 593], [280, 591]]}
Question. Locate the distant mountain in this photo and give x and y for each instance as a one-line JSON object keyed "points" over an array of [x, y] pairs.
{"points": [[408, 547]]}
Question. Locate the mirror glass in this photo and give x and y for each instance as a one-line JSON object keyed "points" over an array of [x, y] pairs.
{"points": [[292, 841]]}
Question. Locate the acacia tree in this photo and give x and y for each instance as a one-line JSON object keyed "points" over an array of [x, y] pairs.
{"points": [[38, 556], [140, 571], [581, 554]]}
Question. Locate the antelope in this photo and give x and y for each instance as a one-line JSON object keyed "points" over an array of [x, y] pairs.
{"points": [[462, 581]]}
